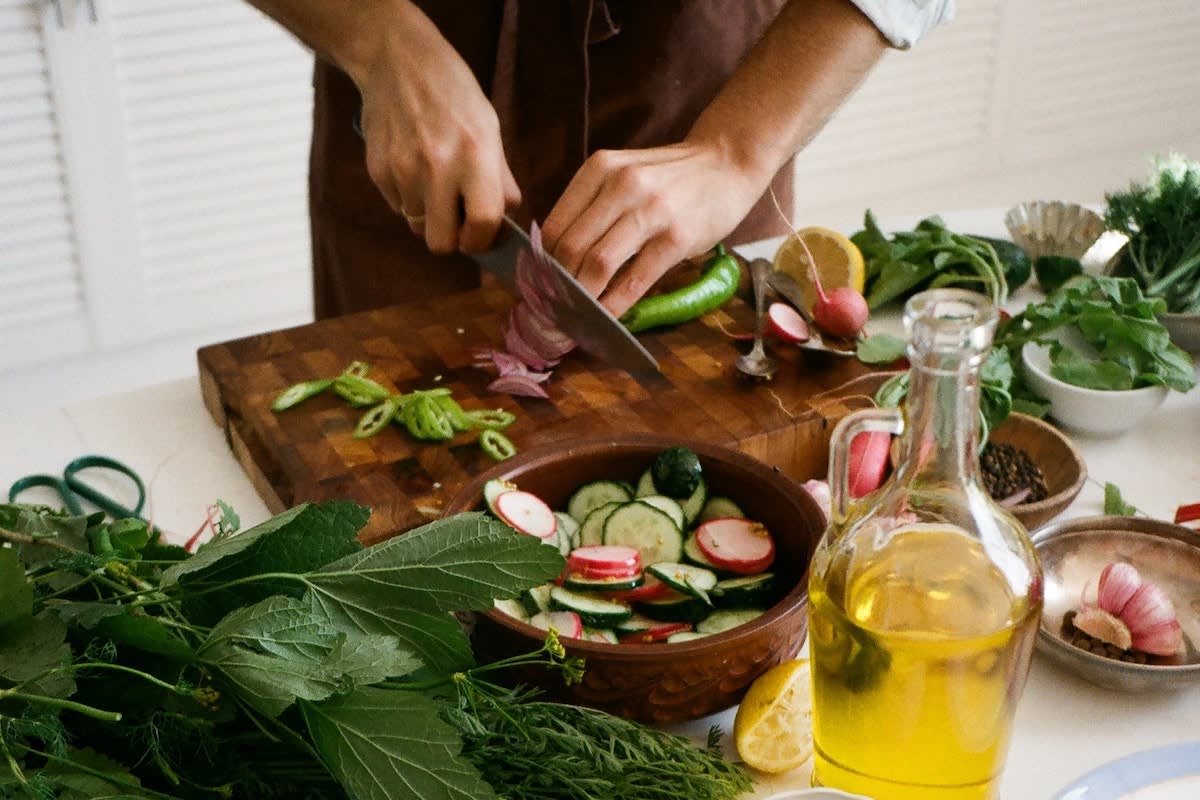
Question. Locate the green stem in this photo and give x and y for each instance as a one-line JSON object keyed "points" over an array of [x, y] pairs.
{"points": [[249, 579], [68, 705], [21, 538], [91, 576], [137, 789], [13, 766]]}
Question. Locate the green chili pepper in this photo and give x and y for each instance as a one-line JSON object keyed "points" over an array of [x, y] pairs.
{"points": [[436, 418], [718, 282], [497, 445], [359, 391], [298, 393], [376, 418], [491, 418], [358, 369], [454, 412]]}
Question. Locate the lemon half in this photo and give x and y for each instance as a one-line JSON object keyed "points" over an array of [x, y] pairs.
{"points": [[839, 262], [773, 727]]}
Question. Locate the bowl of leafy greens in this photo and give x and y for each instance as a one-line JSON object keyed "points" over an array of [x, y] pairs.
{"points": [[1097, 352]]}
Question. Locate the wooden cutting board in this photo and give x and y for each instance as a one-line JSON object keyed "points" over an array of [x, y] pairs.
{"points": [[308, 453]]}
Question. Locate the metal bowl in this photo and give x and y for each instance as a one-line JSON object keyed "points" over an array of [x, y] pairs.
{"points": [[1073, 552], [1043, 228]]}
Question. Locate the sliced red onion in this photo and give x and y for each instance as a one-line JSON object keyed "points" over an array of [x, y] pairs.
{"points": [[517, 384], [1014, 499], [521, 349]]}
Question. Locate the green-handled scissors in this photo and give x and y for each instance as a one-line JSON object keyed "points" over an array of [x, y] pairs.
{"points": [[70, 487]]}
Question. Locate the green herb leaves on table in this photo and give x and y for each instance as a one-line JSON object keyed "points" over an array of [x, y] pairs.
{"points": [[289, 661], [1161, 217]]}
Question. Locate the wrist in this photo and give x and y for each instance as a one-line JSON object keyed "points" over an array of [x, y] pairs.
{"points": [[378, 29]]}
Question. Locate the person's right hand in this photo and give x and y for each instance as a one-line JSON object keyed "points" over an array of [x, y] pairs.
{"points": [[432, 138]]}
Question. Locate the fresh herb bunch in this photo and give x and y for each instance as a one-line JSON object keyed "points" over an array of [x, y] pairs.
{"points": [[284, 661], [1161, 217]]}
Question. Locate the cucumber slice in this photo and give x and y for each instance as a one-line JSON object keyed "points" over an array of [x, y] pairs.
{"points": [[694, 504], [686, 636], [593, 611], [717, 506], [686, 579], [568, 532], [645, 485], [578, 584], [728, 619], [636, 623], [537, 599], [514, 608], [654, 534], [676, 608], [751, 591], [605, 635], [493, 489], [668, 506], [590, 496], [592, 530], [693, 553]]}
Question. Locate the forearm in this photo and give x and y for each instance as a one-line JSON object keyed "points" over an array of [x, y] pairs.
{"points": [[351, 34], [811, 59]]}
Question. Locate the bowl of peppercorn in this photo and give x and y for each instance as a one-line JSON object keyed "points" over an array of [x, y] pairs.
{"points": [[1032, 469]]}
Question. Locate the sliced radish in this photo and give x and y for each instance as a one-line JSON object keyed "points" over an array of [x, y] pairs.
{"points": [[604, 561], [869, 452], [651, 589], [1187, 513], [737, 545], [658, 633], [527, 513], [786, 323], [566, 623]]}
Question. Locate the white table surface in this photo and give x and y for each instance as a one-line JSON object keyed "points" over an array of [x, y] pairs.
{"points": [[1065, 727]]}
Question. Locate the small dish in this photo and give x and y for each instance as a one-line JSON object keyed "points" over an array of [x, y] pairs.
{"points": [[1171, 772], [1095, 412], [1061, 464], [1043, 228], [1073, 553]]}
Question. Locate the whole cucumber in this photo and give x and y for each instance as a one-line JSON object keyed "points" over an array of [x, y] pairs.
{"points": [[718, 282], [1016, 263]]}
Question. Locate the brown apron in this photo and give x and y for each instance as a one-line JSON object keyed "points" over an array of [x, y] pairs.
{"points": [[566, 78]]}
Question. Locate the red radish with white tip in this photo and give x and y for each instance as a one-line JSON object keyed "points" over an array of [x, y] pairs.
{"points": [[527, 513], [736, 545], [786, 324], [841, 312], [869, 453], [566, 623], [604, 561]]}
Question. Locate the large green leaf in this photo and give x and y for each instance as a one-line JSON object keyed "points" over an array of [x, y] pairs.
{"points": [[144, 633], [279, 649], [297, 541], [392, 745], [43, 523], [88, 775], [16, 593], [460, 563], [31, 650]]}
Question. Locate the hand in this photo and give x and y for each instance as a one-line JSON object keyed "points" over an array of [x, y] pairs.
{"points": [[432, 138], [628, 216]]}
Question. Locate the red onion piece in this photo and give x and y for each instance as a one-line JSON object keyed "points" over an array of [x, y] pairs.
{"points": [[1014, 499], [521, 385]]}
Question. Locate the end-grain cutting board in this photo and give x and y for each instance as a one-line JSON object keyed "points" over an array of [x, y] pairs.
{"points": [[309, 452]]}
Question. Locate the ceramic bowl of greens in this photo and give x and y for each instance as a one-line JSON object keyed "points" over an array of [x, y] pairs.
{"points": [[1093, 412], [636, 665], [1184, 328]]}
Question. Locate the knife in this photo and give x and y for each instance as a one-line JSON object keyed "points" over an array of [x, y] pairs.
{"points": [[576, 312]]}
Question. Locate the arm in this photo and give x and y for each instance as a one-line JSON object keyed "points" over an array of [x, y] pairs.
{"points": [[655, 207], [432, 138]]}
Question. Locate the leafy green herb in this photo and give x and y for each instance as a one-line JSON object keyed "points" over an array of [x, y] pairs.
{"points": [[1161, 217], [881, 348], [1114, 503], [287, 661]]}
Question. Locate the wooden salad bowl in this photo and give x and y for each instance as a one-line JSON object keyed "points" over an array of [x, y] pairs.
{"points": [[663, 682], [1060, 462]]}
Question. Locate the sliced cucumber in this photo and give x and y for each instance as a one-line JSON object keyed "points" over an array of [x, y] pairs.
{"points": [[592, 610], [717, 506], [578, 584], [693, 553], [493, 489], [567, 533], [686, 636], [686, 579], [537, 599], [590, 496], [728, 619], [750, 591], [514, 608], [668, 506], [694, 503], [592, 530], [652, 532], [676, 608], [605, 635], [645, 485], [636, 623]]}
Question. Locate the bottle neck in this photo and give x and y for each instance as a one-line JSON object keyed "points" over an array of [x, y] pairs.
{"points": [[942, 418]]}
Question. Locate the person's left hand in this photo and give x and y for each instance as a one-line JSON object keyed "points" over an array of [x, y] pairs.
{"points": [[628, 216]]}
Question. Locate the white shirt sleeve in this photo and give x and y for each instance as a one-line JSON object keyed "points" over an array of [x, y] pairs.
{"points": [[904, 22]]}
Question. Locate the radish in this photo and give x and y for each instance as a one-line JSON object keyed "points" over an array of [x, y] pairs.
{"points": [[658, 633], [736, 545], [605, 561], [819, 490], [527, 513], [842, 312], [786, 323], [651, 589], [567, 623], [869, 452]]}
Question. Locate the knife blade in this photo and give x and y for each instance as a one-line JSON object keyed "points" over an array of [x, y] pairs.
{"points": [[575, 312]]}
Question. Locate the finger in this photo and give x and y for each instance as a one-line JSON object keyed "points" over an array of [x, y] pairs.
{"points": [[601, 262], [658, 256], [580, 193], [443, 216], [483, 205], [512, 192]]}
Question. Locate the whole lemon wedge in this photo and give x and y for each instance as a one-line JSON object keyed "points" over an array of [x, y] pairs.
{"points": [[773, 727], [838, 261]]}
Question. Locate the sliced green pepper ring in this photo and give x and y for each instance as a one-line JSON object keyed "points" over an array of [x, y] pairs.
{"points": [[296, 394], [496, 445], [454, 412], [491, 418], [359, 391], [358, 369], [376, 418]]}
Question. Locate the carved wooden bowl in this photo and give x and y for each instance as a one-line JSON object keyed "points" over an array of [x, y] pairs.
{"points": [[663, 682], [1061, 464]]}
